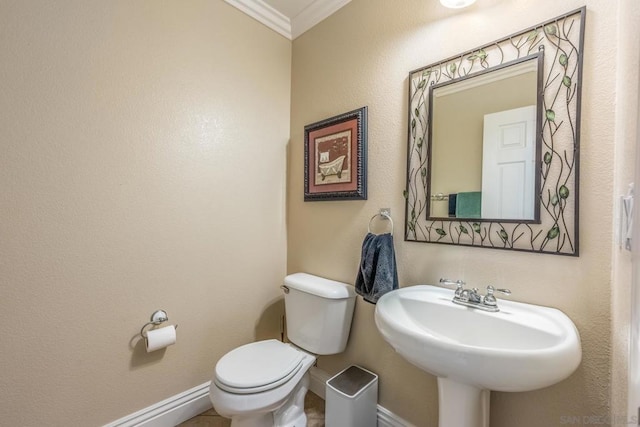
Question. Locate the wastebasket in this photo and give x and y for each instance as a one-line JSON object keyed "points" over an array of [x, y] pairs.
{"points": [[352, 398]]}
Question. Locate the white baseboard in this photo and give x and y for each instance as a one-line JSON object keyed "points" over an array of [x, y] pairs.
{"points": [[386, 418], [181, 407], [170, 412], [318, 379]]}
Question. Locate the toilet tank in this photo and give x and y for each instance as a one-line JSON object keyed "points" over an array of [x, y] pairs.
{"points": [[318, 312]]}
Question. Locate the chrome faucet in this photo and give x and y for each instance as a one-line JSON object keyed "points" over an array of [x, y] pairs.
{"points": [[471, 297]]}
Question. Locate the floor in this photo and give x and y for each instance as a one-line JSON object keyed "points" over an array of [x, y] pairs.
{"points": [[313, 407]]}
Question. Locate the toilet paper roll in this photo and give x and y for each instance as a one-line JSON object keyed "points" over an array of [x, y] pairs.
{"points": [[160, 338]]}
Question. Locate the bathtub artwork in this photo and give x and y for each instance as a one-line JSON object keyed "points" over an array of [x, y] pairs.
{"points": [[335, 158], [333, 154]]}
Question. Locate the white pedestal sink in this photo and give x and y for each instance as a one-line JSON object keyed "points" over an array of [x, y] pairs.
{"points": [[522, 347]]}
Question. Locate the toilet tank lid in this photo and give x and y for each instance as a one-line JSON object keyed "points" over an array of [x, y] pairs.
{"points": [[319, 286]]}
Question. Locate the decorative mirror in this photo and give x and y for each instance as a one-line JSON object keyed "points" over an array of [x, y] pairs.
{"points": [[493, 143]]}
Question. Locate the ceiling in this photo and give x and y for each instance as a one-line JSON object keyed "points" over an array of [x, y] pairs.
{"points": [[289, 8], [290, 18]]}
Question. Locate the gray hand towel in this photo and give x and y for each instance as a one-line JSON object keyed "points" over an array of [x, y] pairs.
{"points": [[377, 274]]}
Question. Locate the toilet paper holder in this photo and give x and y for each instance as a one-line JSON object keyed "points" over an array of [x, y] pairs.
{"points": [[158, 317]]}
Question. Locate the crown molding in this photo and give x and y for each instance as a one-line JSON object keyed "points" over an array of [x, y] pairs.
{"points": [[267, 15], [289, 28], [316, 12]]}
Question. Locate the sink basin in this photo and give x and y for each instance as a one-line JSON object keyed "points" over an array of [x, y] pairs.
{"points": [[520, 348]]}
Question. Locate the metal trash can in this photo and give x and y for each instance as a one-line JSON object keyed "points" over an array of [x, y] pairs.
{"points": [[352, 399]]}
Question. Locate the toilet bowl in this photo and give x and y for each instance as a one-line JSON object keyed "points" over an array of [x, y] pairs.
{"points": [[263, 384], [275, 397]]}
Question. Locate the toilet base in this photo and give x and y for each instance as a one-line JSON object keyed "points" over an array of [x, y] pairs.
{"points": [[290, 414], [262, 420]]}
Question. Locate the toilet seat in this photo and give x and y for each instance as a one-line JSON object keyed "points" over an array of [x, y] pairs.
{"points": [[257, 367]]}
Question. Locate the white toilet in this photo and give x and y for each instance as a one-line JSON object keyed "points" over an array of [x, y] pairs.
{"points": [[263, 384]]}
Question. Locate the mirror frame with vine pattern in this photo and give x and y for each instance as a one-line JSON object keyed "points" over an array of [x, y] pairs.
{"points": [[561, 40]]}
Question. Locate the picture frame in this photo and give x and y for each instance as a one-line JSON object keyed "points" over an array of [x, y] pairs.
{"points": [[559, 45], [335, 158]]}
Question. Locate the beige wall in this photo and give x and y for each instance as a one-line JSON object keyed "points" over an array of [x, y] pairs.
{"points": [[142, 166], [362, 56]]}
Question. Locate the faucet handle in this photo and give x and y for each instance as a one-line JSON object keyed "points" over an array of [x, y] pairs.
{"points": [[457, 283], [491, 290], [490, 299]]}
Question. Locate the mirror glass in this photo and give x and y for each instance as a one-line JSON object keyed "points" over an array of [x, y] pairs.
{"points": [[485, 144]]}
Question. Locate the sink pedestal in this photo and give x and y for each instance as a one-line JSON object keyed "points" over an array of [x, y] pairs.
{"points": [[462, 405]]}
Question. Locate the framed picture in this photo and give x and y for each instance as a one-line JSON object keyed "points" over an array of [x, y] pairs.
{"points": [[335, 158]]}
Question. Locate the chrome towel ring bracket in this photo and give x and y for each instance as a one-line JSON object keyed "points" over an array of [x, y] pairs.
{"points": [[385, 214]]}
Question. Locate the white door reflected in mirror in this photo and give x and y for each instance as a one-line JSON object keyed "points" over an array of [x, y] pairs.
{"points": [[508, 164]]}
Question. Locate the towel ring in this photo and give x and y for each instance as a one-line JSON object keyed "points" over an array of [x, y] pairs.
{"points": [[385, 216]]}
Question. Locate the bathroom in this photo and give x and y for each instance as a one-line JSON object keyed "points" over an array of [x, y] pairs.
{"points": [[152, 157]]}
